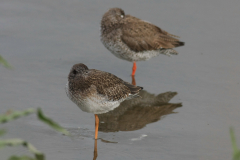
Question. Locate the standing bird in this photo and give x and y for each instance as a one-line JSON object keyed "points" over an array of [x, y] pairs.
{"points": [[133, 39], [96, 91]]}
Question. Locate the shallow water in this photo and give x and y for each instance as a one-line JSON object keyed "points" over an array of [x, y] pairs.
{"points": [[43, 39]]}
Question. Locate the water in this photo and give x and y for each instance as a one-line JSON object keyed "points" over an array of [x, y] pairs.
{"points": [[43, 39]]}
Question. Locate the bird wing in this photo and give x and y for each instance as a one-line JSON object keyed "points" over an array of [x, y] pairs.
{"points": [[111, 86], [140, 36]]}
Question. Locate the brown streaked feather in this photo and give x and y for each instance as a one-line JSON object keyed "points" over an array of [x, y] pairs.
{"points": [[140, 35], [133, 89], [172, 35], [108, 85]]}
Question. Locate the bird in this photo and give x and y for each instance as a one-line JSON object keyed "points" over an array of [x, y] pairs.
{"points": [[133, 39], [96, 91]]}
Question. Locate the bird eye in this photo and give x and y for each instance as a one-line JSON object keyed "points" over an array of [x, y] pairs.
{"points": [[122, 16], [74, 72]]}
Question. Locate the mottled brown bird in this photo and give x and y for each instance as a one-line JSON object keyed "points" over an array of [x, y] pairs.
{"points": [[133, 39], [96, 91]]}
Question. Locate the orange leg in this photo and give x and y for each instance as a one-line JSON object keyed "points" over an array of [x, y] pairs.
{"points": [[96, 125], [133, 80], [134, 68]]}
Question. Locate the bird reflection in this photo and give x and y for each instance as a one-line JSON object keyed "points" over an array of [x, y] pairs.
{"points": [[136, 113], [133, 80], [95, 154]]}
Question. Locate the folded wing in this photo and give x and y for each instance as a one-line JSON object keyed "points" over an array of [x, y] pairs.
{"points": [[111, 86], [142, 36]]}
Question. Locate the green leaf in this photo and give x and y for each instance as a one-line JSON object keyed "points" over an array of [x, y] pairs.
{"points": [[15, 114], [50, 122], [236, 151], [16, 142], [11, 115], [2, 132], [4, 63], [21, 158]]}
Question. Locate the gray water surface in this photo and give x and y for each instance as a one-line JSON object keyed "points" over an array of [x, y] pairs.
{"points": [[43, 39]]}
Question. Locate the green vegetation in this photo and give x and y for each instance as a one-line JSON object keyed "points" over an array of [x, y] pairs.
{"points": [[236, 151], [50, 122], [4, 62], [12, 115], [30, 147]]}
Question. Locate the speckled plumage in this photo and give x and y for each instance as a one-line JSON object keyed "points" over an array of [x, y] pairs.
{"points": [[96, 91], [133, 39]]}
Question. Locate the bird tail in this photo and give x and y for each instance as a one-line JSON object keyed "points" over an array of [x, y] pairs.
{"points": [[133, 89], [168, 52], [179, 43]]}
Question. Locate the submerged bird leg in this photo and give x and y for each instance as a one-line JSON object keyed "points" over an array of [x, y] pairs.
{"points": [[96, 125], [133, 80], [134, 68]]}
